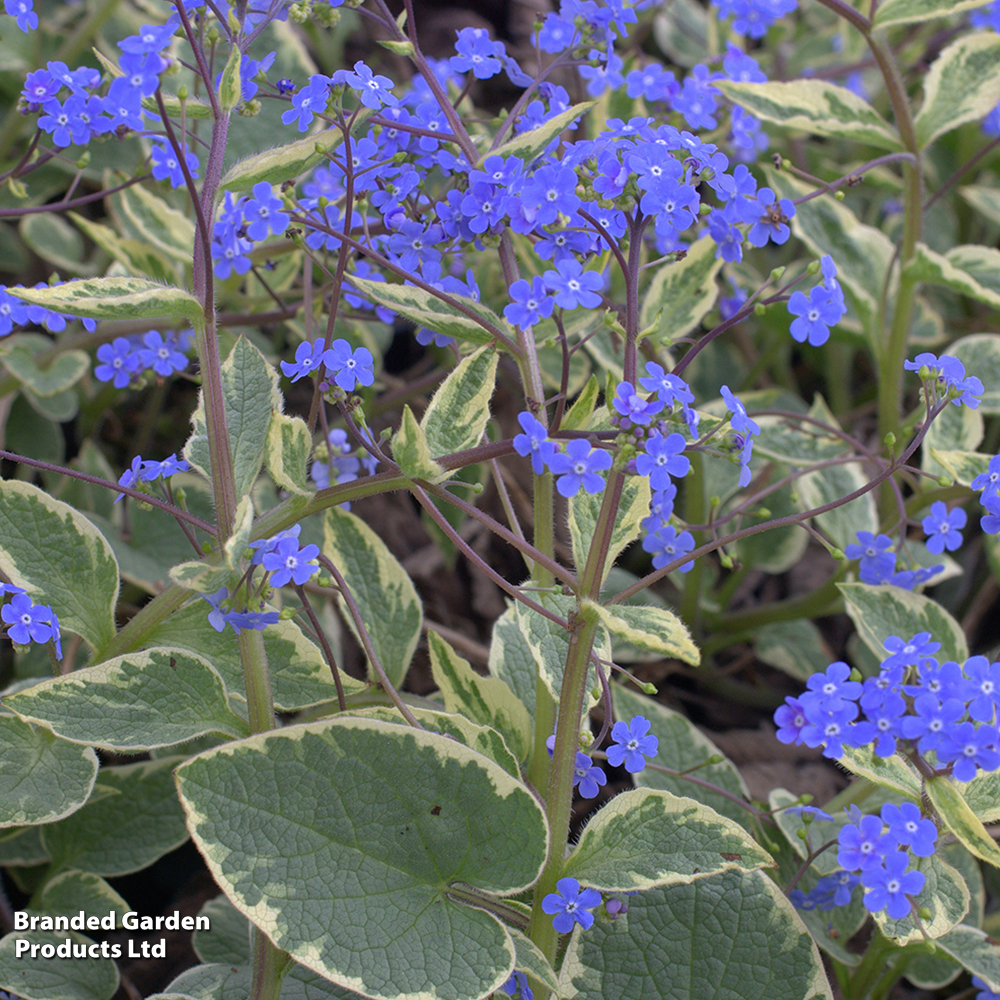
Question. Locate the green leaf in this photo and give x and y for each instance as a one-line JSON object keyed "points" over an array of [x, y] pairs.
{"points": [[891, 12], [300, 677], [731, 935], [548, 642], [146, 218], [474, 323], [116, 298], [985, 200], [60, 558], [457, 415], [982, 795], [137, 257], [683, 292], [945, 894], [863, 253], [177, 695], [890, 772], [980, 353], [228, 940], [231, 981], [962, 85], [958, 428], [814, 106], [577, 417], [961, 820], [683, 747], [512, 658], [238, 542], [61, 373], [878, 612], [482, 739], [250, 386], [645, 838], [531, 960], [487, 700], [976, 952], [56, 242], [585, 508], [412, 452], [797, 647], [43, 778], [282, 163], [288, 446], [528, 146], [393, 818], [968, 270], [55, 978], [22, 848], [830, 484], [69, 892], [649, 627], [381, 588], [124, 831]]}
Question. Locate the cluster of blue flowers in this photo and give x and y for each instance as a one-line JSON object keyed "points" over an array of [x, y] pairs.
{"points": [[126, 358], [241, 223], [344, 365], [987, 484], [149, 470], [223, 614], [29, 622], [631, 745], [334, 463], [283, 560], [878, 563], [18, 313], [874, 852], [943, 711], [945, 378]]}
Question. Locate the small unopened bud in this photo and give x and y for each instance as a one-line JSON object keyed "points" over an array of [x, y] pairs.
{"points": [[837, 553], [206, 547], [813, 267], [760, 309], [182, 93], [777, 274], [889, 440], [586, 739], [945, 481], [648, 688], [924, 913], [839, 195], [801, 832]]}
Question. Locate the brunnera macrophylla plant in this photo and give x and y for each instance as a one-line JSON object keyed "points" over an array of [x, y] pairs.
{"points": [[693, 329]]}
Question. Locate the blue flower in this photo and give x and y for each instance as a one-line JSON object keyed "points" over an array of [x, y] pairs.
{"points": [[308, 358], [28, 622], [985, 993], [772, 219], [518, 981], [534, 442], [162, 354], [863, 843], [587, 776], [528, 303], [350, 368], [571, 905], [816, 314], [263, 213], [740, 421], [989, 481], [118, 362], [874, 555], [910, 653], [477, 53], [910, 828], [889, 884], [662, 459], [308, 102], [809, 813], [579, 466], [943, 527], [167, 167], [666, 545], [287, 563], [23, 12], [669, 388], [968, 747], [790, 719], [374, 91], [632, 746], [572, 286], [633, 407]]}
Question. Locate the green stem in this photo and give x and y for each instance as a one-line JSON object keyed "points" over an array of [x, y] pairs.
{"points": [[257, 680], [269, 965], [695, 512], [871, 968]]}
